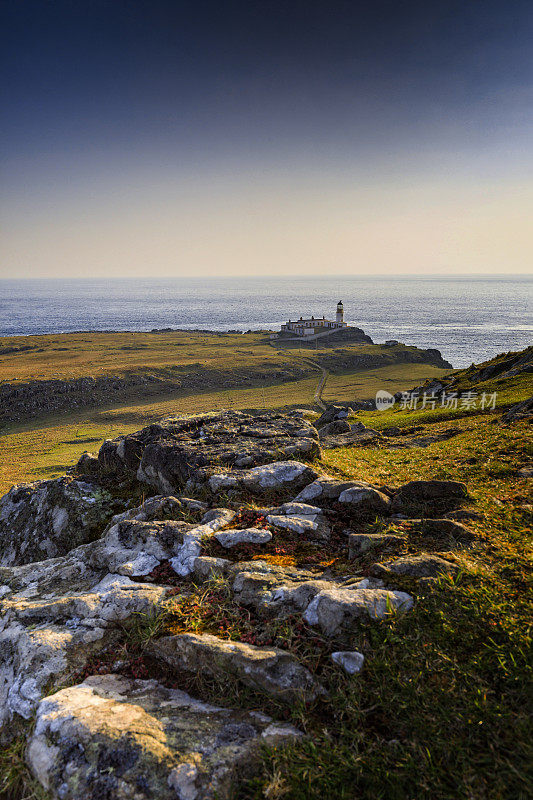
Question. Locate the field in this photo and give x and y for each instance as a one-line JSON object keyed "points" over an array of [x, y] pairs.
{"points": [[46, 444], [440, 710], [75, 355]]}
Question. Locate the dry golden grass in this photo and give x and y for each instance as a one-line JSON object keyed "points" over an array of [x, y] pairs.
{"points": [[74, 355], [44, 449]]}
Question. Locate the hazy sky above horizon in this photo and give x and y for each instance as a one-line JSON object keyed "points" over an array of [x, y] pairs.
{"points": [[149, 138]]}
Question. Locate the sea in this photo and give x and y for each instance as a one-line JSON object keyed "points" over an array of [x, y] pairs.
{"points": [[469, 319]]}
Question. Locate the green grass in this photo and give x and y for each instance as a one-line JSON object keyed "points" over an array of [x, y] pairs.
{"points": [[441, 708], [170, 355], [16, 780]]}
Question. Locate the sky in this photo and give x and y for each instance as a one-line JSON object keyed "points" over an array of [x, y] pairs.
{"points": [[146, 138]]}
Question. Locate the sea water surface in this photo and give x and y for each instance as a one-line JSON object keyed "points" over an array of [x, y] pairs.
{"points": [[469, 319]]}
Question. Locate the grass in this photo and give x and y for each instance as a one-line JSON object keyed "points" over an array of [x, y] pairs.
{"points": [[169, 355], [44, 448], [16, 780], [441, 708]]}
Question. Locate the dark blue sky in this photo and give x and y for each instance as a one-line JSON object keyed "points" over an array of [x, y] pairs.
{"points": [[255, 74], [110, 98]]}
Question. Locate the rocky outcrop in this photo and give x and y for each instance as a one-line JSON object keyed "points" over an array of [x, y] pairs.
{"points": [[110, 737], [185, 451], [21, 400], [523, 410], [269, 670], [54, 615], [49, 518], [261, 525]]}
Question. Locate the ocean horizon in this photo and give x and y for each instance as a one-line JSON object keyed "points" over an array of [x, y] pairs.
{"points": [[468, 318]]}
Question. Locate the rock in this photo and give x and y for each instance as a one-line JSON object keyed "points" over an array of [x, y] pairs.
{"points": [[194, 505], [291, 475], [160, 507], [335, 608], [523, 410], [326, 490], [217, 517], [463, 513], [313, 526], [331, 414], [350, 660], [268, 669], [332, 428], [420, 493], [423, 566], [365, 499], [300, 518], [207, 567], [48, 518], [184, 450], [293, 509], [245, 536], [110, 737], [525, 472], [88, 465], [183, 563], [447, 528], [136, 548], [393, 430], [361, 543], [55, 614], [323, 602]]}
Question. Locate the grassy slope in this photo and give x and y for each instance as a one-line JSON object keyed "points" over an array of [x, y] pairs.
{"points": [[45, 448], [73, 355], [78, 354], [440, 710]]}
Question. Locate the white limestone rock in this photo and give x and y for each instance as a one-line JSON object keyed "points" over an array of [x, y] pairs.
{"points": [[233, 538], [269, 669], [268, 477], [114, 737], [350, 660]]}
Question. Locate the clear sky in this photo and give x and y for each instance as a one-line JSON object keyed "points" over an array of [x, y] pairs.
{"points": [[151, 138]]}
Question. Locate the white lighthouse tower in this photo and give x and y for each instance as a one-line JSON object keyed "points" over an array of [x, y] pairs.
{"points": [[340, 312]]}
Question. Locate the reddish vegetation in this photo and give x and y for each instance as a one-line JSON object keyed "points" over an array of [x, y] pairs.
{"points": [[131, 664], [163, 574]]}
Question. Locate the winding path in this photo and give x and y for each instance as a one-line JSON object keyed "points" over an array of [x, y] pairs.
{"points": [[317, 397]]}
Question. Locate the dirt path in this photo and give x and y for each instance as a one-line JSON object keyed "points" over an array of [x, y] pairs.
{"points": [[317, 397]]}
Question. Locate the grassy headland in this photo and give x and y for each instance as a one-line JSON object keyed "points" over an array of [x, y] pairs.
{"points": [[153, 375]]}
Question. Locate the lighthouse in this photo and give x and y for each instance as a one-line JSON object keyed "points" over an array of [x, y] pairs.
{"points": [[340, 312]]}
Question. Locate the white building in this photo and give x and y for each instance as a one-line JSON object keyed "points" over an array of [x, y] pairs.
{"points": [[308, 327]]}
